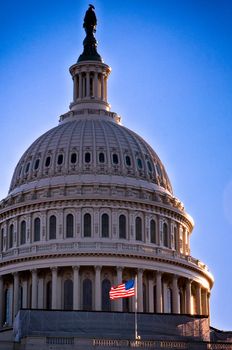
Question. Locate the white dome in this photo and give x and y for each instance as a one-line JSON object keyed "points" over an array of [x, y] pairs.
{"points": [[95, 145]]}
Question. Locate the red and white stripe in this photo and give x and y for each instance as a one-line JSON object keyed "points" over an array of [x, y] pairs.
{"points": [[121, 292]]}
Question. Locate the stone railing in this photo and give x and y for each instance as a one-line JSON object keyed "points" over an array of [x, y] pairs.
{"points": [[47, 248]]}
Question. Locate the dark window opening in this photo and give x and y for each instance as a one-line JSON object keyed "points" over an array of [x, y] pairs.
{"points": [[48, 161], [23, 232], [37, 229], [138, 229], [87, 157], [27, 167], [69, 226], [60, 159], [36, 164], [11, 236], [165, 234], [128, 161], [52, 227], [101, 158], [68, 295], [106, 304], [105, 225], [73, 158], [149, 166], [87, 294], [122, 226], [87, 225], [153, 231], [139, 163], [115, 158]]}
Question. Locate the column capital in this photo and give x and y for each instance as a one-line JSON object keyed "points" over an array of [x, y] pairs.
{"points": [[97, 268], [54, 268], [15, 274], [33, 271], [140, 271], [76, 267], [119, 268]]}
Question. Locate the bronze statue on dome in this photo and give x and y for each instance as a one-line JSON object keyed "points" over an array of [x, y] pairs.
{"points": [[90, 20]]}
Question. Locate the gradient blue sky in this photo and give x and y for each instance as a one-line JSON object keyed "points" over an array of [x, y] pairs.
{"points": [[171, 82]]}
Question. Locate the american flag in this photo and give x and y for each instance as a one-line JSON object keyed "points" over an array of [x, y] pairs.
{"points": [[123, 290]]}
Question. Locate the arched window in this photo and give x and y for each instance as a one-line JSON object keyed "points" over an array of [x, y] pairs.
{"points": [[60, 159], [20, 302], [87, 157], [11, 235], [68, 294], [153, 231], [122, 226], [138, 229], [52, 227], [49, 295], [165, 234], [69, 226], [105, 225], [87, 225], [23, 232], [87, 294], [106, 285], [37, 229]]}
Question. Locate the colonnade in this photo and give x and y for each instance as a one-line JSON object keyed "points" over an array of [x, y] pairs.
{"points": [[157, 291], [90, 85]]}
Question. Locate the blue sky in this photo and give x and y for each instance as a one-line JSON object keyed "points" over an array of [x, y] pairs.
{"points": [[171, 82]]}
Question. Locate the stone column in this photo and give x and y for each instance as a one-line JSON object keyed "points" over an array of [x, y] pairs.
{"points": [[158, 291], [188, 296], [175, 295], [119, 281], [76, 288], [140, 290], [16, 294], [151, 294], [34, 289], [75, 88], [25, 293], [54, 288], [204, 302], [105, 88], [198, 299], [97, 288], [87, 84], [1, 301], [80, 86], [96, 85], [102, 86], [40, 304]]}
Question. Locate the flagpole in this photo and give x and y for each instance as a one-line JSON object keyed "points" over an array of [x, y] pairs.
{"points": [[136, 308]]}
